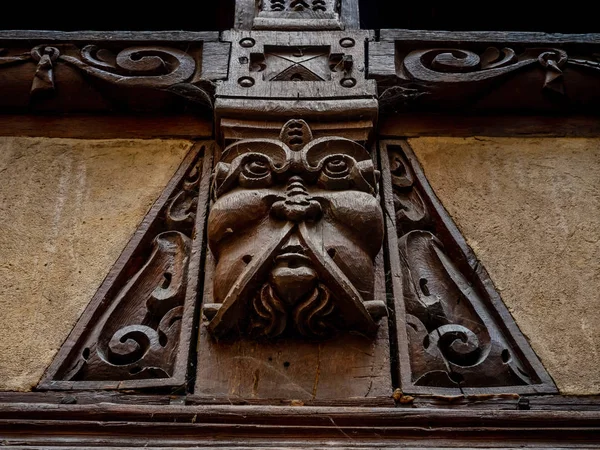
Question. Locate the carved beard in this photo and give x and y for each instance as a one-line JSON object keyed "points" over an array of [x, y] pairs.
{"points": [[311, 316]]}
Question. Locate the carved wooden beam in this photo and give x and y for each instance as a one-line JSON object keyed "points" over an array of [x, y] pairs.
{"points": [[103, 72], [491, 72], [291, 427]]}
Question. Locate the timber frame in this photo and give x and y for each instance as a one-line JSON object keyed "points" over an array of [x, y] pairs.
{"points": [[59, 84]]}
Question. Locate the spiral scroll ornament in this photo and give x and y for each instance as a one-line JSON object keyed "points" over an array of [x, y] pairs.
{"points": [[459, 77], [136, 66], [162, 68]]}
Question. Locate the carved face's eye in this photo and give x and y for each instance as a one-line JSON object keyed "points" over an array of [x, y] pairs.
{"points": [[256, 172], [336, 173], [256, 169], [336, 167]]}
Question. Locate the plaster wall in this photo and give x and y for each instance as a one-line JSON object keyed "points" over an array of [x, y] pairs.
{"points": [[67, 209], [530, 209]]}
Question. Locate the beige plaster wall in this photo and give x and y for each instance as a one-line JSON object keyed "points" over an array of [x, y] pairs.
{"points": [[530, 209], [67, 209]]}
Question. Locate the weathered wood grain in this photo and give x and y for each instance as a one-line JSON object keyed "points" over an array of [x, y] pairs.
{"points": [[300, 427], [114, 36], [106, 126], [414, 125], [287, 356], [483, 37]]}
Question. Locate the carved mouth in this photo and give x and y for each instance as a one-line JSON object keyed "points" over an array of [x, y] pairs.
{"points": [[293, 275], [292, 260]]}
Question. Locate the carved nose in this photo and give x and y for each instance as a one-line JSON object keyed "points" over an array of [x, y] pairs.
{"points": [[298, 205]]}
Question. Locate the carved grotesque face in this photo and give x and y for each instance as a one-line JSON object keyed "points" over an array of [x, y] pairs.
{"points": [[295, 228]]}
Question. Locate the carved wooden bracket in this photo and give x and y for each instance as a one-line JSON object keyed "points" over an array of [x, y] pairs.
{"points": [[288, 231], [454, 333], [136, 331], [448, 74]]}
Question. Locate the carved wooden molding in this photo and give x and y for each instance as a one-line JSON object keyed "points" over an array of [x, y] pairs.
{"points": [[136, 331], [103, 75], [256, 426], [144, 328], [295, 228], [454, 332]]}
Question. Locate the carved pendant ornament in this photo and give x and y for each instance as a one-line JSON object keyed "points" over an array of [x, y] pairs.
{"points": [[295, 227]]}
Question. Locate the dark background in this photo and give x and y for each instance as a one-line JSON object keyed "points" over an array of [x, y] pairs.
{"points": [[564, 17]]}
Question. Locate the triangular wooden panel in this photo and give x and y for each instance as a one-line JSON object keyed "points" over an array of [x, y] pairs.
{"points": [[136, 331], [454, 334]]}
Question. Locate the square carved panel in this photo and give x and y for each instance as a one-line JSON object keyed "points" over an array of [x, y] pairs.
{"points": [[293, 65]]}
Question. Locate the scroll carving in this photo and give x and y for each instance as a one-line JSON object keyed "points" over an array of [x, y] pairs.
{"points": [[135, 333], [153, 68], [459, 78], [454, 337], [295, 227], [138, 339]]}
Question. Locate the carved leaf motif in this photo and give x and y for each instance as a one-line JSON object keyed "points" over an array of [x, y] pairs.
{"points": [[181, 210], [442, 65], [405, 95], [457, 77], [456, 330], [192, 93], [411, 212]]}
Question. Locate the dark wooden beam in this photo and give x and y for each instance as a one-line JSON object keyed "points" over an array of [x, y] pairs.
{"points": [[106, 126], [509, 37]]}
